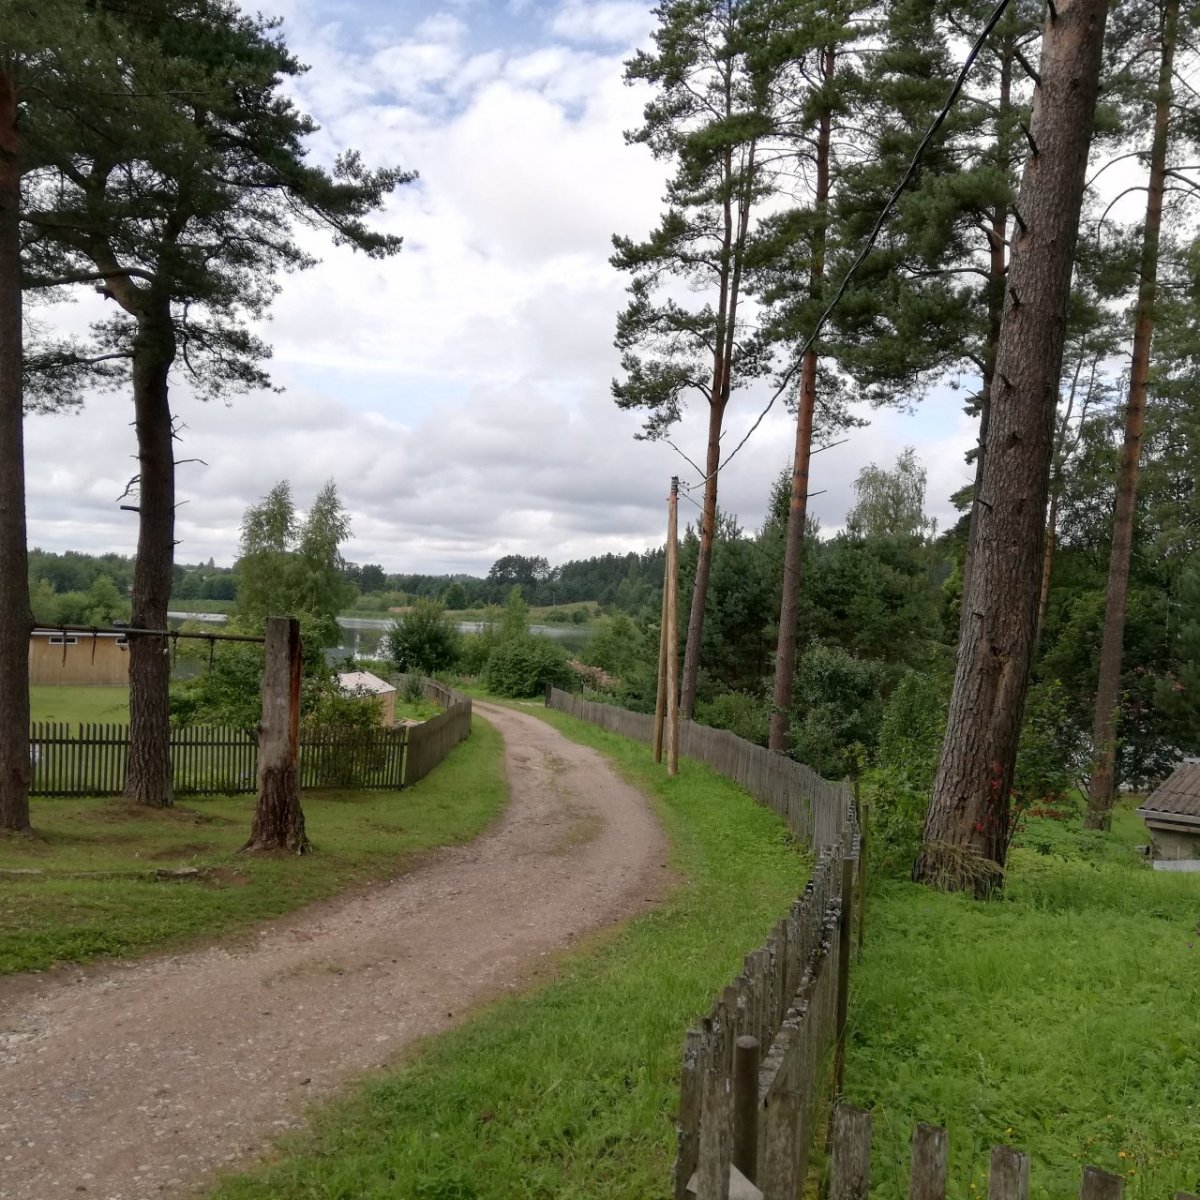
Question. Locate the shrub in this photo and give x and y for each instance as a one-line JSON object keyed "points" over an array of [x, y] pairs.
{"points": [[523, 666], [741, 713], [424, 639]]}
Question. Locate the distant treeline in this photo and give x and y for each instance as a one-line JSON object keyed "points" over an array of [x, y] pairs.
{"points": [[628, 582]]}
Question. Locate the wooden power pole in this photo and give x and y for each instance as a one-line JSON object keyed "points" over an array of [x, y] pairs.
{"points": [[672, 646]]}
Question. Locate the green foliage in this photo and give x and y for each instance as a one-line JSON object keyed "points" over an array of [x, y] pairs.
{"points": [[891, 503], [522, 666], [898, 788], [617, 646], [514, 618], [741, 713], [293, 566], [455, 596], [1053, 752], [839, 706], [423, 640]]}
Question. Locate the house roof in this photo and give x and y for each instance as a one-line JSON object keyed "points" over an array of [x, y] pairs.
{"points": [[1179, 794], [364, 681]]}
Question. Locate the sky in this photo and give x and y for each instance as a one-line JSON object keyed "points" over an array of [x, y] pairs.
{"points": [[459, 393]]}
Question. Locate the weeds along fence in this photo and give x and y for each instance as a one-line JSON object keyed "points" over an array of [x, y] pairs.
{"points": [[91, 759], [1008, 1168], [761, 1067]]}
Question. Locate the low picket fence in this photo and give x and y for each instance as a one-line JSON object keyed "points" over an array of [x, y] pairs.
{"points": [[91, 759], [1008, 1168]]}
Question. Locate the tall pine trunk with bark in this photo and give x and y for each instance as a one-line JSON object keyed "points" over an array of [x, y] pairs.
{"points": [[793, 553], [148, 779], [16, 620], [966, 834], [1103, 783]]}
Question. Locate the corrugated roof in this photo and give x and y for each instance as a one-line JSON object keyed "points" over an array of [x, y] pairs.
{"points": [[1179, 793], [354, 681]]}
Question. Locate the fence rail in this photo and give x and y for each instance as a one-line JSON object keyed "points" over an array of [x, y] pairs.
{"points": [[760, 1067], [91, 759]]}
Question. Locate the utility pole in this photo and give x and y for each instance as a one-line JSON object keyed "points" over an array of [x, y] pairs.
{"points": [[672, 644], [660, 702]]}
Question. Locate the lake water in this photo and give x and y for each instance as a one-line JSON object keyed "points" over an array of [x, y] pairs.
{"points": [[362, 637]]}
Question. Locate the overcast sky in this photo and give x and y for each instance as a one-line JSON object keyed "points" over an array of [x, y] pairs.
{"points": [[459, 393]]}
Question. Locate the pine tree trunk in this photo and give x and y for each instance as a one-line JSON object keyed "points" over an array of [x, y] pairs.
{"points": [[148, 778], [16, 621], [278, 819], [966, 833], [779, 737], [708, 527], [997, 275], [1102, 787]]}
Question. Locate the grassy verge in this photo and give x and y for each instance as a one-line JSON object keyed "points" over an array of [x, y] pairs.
{"points": [[569, 1091], [57, 916], [75, 705], [1062, 1019]]}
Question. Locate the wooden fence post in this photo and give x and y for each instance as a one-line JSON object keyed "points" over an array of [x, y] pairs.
{"points": [[1008, 1176], [278, 820], [864, 821], [1100, 1185], [746, 1061], [850, 1168], [927, 1174]]}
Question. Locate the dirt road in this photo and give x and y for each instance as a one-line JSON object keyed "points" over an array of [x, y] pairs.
{"points": [[131, 1082]]}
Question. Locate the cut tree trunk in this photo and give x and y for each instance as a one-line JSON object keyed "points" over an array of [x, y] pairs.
{"points": [[965, 840], [779, 737], [1103, 784], [148, 780], [278, 818], [16, 621]]}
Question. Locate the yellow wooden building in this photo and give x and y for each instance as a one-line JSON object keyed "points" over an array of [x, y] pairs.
{"points": [[57, 656]]}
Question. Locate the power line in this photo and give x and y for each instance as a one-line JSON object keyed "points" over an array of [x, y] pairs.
{"points": [[869, 245]]}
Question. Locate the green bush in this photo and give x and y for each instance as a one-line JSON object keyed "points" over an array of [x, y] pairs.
{"points": [[523, 666], [424, 640], [739, 712]]}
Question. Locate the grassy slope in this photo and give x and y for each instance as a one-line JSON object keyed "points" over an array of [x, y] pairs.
{"points": [[569, 1091], [1063, 1019], [359, 836]]}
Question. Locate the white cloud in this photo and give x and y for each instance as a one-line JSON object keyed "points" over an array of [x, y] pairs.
{"points": [[459, 393]]}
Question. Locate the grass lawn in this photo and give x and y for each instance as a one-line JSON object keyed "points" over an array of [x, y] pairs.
{"points": [[1063, 1019], [358, 836], [569, 1091], [75, 705]]}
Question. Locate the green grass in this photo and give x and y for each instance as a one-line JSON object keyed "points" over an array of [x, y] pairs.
{"points": [[75, 705], [1063, 1019], [358, 837], [569, 1091]]}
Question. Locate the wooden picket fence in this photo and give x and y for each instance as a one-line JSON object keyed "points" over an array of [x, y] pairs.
{"points": [[91, 759], [1008, 1169]]}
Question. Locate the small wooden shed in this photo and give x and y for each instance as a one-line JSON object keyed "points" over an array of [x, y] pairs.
{"points": [[1172, 814], [56, 656], [358, 683]]}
